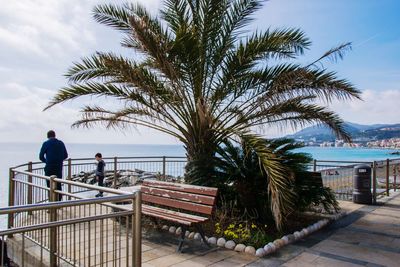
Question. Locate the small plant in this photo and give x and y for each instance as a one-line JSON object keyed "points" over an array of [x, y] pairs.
{"points": [[245, 232]]}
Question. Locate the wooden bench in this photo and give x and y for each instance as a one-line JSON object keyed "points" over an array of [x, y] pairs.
{"points": [[186, 205]]}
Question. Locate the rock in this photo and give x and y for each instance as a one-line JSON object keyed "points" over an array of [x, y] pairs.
{"points": [[172, 229], [285, 240], [250, 250], [272, 245], [297, 235], [191, 235], [230, 244], [187, 234], [260, 252], [291, 238], [278, 243], [268, 249], [240, 247], [165, 227], [305, 231], [221, 242], [197, 236], [178, 231], [212, 240]]}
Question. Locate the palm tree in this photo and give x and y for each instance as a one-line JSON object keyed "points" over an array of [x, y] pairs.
{"points": [[201, 78]]}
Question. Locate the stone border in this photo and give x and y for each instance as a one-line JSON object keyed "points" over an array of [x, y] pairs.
{"points": [[269, 248]]}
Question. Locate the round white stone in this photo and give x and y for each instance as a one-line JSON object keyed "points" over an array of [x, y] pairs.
{"points": [[272, 245], [172, 229], [260, 252], [291, 238], [178, 231], [191, 235], [221, 242], [197, 236], [187, 233], [250, 250], [165, 227], [268, 249], [212, 240], [285, 240], [240, 247], [305, 231], [297, 235], [230, 244]]}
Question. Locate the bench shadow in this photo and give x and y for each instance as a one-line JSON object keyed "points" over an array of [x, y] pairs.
{"points": [[167, 239]]}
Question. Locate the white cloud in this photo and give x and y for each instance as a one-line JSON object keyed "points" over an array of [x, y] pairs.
{"points": [[376, 107]]}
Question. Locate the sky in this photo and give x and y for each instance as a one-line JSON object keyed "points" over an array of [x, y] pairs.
{"points": [[40, 39]]}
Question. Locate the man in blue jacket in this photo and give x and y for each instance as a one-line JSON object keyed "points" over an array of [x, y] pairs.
{"points": [[53, 153]]}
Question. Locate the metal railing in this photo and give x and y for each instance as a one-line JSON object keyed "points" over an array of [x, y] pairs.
{"points": [[338, 175], [78, 231]]}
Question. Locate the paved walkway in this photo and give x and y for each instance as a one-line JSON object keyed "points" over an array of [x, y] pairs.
{"points": [[367, 236]]}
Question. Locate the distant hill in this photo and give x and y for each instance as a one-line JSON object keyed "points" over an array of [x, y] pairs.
{"points": [[357, 131]]}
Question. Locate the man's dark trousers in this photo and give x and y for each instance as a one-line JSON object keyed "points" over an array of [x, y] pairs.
{"points": [[57, 171]]}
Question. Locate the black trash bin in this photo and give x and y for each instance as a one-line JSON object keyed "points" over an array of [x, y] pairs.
{"points": [[362, 184]]}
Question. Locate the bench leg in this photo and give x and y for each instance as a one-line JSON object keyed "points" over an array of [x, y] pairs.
{"points": [[184, 228], [201, 232]]}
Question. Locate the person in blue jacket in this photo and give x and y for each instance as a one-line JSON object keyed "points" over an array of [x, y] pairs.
{"points": [[53, 153]]}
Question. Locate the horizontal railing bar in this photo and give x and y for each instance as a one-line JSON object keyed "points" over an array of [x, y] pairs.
{"points": [[64, 222], [63, 204], [342, 161], [110, 205], [32, 174], [32, 184], [94, 187]]}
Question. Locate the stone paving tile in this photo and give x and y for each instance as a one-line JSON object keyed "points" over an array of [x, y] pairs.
{"points": [[353, 237], [371, 255], [311, 260], [240, 259], [207, 259], [169, 260]]}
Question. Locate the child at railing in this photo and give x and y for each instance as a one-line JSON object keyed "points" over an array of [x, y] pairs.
{"points": [[100, 172]]}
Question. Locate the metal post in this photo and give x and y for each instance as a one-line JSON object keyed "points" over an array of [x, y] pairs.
{"points": [[11, 198], [137, 230], [387, 177], [115, 172], [30, 185], [53, 217], [69, 177], [374, 182], [163, 166], [315, 165]]}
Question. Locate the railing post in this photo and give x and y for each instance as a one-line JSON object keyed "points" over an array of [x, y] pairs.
{"points": [[30, 185], [315, 165], [394, 178], [53, 217], [11, 198], [164, 163], [374, 182], [69, 177], [137, 229], [115, 172], [387, 177]]}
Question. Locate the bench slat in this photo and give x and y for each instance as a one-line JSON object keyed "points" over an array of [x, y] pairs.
{"points": [[189, 197], [178, 204], [166, 217], [208, 191], [174, 214]]}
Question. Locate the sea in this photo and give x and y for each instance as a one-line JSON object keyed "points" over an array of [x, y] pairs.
{"points": [[12, 154]]}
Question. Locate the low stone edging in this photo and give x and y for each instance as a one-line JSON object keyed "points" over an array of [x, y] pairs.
{"points": [[269, 248]]}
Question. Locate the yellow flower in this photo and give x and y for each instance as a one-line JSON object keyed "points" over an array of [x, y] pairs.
{"points": [[253, 226]]}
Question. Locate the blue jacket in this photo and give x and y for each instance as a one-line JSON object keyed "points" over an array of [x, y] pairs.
{"points": [[53, 152]]}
